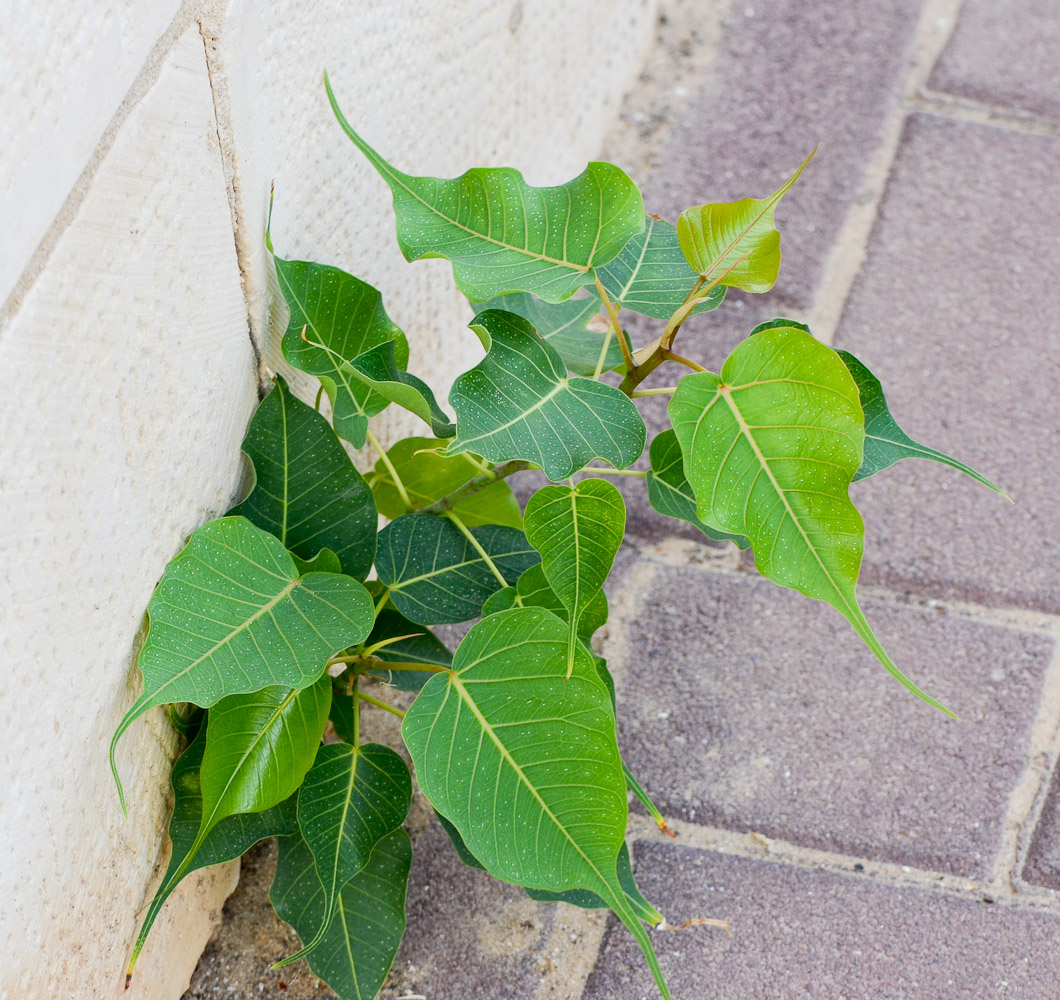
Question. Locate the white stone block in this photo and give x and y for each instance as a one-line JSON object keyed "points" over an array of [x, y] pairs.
{"points": [[127, 379]]}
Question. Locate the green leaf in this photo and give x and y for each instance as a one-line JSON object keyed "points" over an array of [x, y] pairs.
{"points": [[669, 492], [357, 950], [378, 369], [770, 448], [519, 403], [524, 763], [651, 275], [352, 797], [533, 591], [325, 561], [435, 574], [886, 442], [501, 234], [424, 647], [226, 841], [735, 243], [231, 615], [577, 530], [335, 315], [428, 474], [459, 846], [577, 328], [306, 490]]}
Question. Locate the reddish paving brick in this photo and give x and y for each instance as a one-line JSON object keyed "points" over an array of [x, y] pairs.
{"points": [[1005, 54], [790, 75], [749, 707], [1042, 866], [956, 311], [807, 935]]}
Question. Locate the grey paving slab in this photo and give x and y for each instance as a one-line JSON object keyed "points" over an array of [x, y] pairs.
{"points": [[1004, 54], [956, 310], [749, 707], [790, 75], [1042, 866], [807, 935]]}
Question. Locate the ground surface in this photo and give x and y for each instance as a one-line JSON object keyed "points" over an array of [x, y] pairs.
{"points": [[860, 845]]}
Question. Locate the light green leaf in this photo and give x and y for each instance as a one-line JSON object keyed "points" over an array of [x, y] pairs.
{"points": [[519, 403], [333, 316], [421, 646], [886, 442], [533, 591], [325, 561], [651, 275], [436, 575], [357, 950], [577, 530], [378, 369], [770, 448], [524, 763], [226, 841], [231, 615], [306, 490], [428, 474], [735, 243], [352, 797], [503, 235], [577, 328], [668, 489]]}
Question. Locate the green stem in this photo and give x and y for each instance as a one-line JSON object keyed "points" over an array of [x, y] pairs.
{"points": [[383, 598], [614, 472], [474, 485], [666, 390], [385, 459], [385, 706], [669, 355], [356, 713], [431, 668], [477, 546], [320, 394], [612, 312]]}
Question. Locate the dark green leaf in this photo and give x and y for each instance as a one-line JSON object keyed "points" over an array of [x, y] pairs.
{"points": [[231, 615], [435, 574], [524, 763], [668, 489], [519, 403], [501, 234], [770, 448], [577, 328], [651, 275], [334, 316], [886, 442], [428, 475], [306, 490], [356, 952]]}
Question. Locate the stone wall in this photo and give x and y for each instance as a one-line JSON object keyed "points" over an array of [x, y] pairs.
{"points": [[138, 318]]}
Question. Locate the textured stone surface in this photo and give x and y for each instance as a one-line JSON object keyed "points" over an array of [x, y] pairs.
{"points": [[1042, 866], [764, 712], [956, 313], [790, 75], [127, 379], [1004, 54], [66, 68], [802, 934]]}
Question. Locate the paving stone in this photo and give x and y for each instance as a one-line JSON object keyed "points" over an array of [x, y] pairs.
{"points": [[956, 312], [800, 934], [749, 707], [790, 75], [1042, 866], [1005, 54]]}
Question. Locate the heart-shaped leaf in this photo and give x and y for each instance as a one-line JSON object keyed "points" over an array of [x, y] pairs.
{"points": [[886, 442], [669, 492], [519, 403], [533, 591], [352, 797], [524, 763], [335, 316], [436, 575], [735, 243], [356, 952], [770, 448], [226, 841], [428, 474], [306, 490], [578, 328], [503, 235], [231, 615], [577, 530], [651, 275]]}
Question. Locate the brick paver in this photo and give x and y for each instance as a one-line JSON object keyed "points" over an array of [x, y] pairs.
{"points": [[1042, 866], [817, 936]]}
